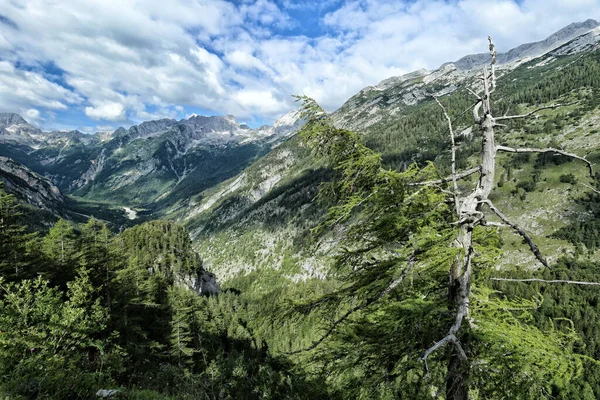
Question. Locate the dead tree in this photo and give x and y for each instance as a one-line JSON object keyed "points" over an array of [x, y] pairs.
{"points": [[471, 210]]}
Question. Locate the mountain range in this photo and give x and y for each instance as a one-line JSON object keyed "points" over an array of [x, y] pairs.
{"points": [[247, 194], [139, 165]]}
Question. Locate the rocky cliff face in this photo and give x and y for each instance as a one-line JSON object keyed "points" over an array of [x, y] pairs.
{"points": [[201, 282], [8, 119], [29, 186]]}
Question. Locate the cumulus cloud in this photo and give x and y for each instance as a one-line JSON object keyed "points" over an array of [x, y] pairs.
{"points": [[32, 115], [21, 89], [109, 111], [127, 61]]}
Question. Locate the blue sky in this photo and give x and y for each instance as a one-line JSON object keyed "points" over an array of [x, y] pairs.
{"points": [[97, 65]]}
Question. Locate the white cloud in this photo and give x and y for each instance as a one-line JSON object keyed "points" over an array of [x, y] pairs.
{"points": [[260, 100], [25, 89], [109, 111], [32, 115], [128, 60]]}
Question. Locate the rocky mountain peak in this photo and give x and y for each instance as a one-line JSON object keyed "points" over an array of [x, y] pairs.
{"points": [[288, 119], [9, 119], [395, 80], [530, 50], [148, 128], [568, 30], [213, 123]]}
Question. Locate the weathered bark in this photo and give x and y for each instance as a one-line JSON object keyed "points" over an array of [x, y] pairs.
{"points": [[469, 215]]}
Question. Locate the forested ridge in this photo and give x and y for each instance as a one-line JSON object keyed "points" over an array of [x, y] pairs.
{"points": [[84, 307]]}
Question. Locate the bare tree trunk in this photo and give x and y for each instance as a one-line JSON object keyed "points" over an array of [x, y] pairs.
{"points": [[469, 211], [470, 214], [456, 385]]}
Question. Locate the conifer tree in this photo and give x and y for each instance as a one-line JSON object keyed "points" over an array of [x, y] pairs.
{"points": [[60, 247], [17, 247]]}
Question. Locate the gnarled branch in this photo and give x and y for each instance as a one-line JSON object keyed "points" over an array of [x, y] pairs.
{"points": [[478, 119], [532, 246], [546, 150], [550, 107], [494, 224], [546, 281], [450, 338]]}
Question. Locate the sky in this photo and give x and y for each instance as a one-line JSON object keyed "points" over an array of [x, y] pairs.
{"points": [[95, 65]]}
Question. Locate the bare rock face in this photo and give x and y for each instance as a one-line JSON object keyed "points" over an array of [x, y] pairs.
{"points": [[149, 128], [202, 283], [29, 186], [8, 119], [209, 284], [15, 129]]}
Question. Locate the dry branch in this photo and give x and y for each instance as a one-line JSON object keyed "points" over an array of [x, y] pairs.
{"points": [[532, 246], [546, 281], [546, 150], [550, 107], [478, 119], [478, 97], [450, 338], [591, 188], [454, 183]]}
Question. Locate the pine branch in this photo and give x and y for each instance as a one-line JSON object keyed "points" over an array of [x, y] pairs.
{"points": [[546, 150], [348, 313], [347, 214]]}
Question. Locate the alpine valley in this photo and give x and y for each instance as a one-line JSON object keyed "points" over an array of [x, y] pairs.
{"points": [[254, 203]]}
